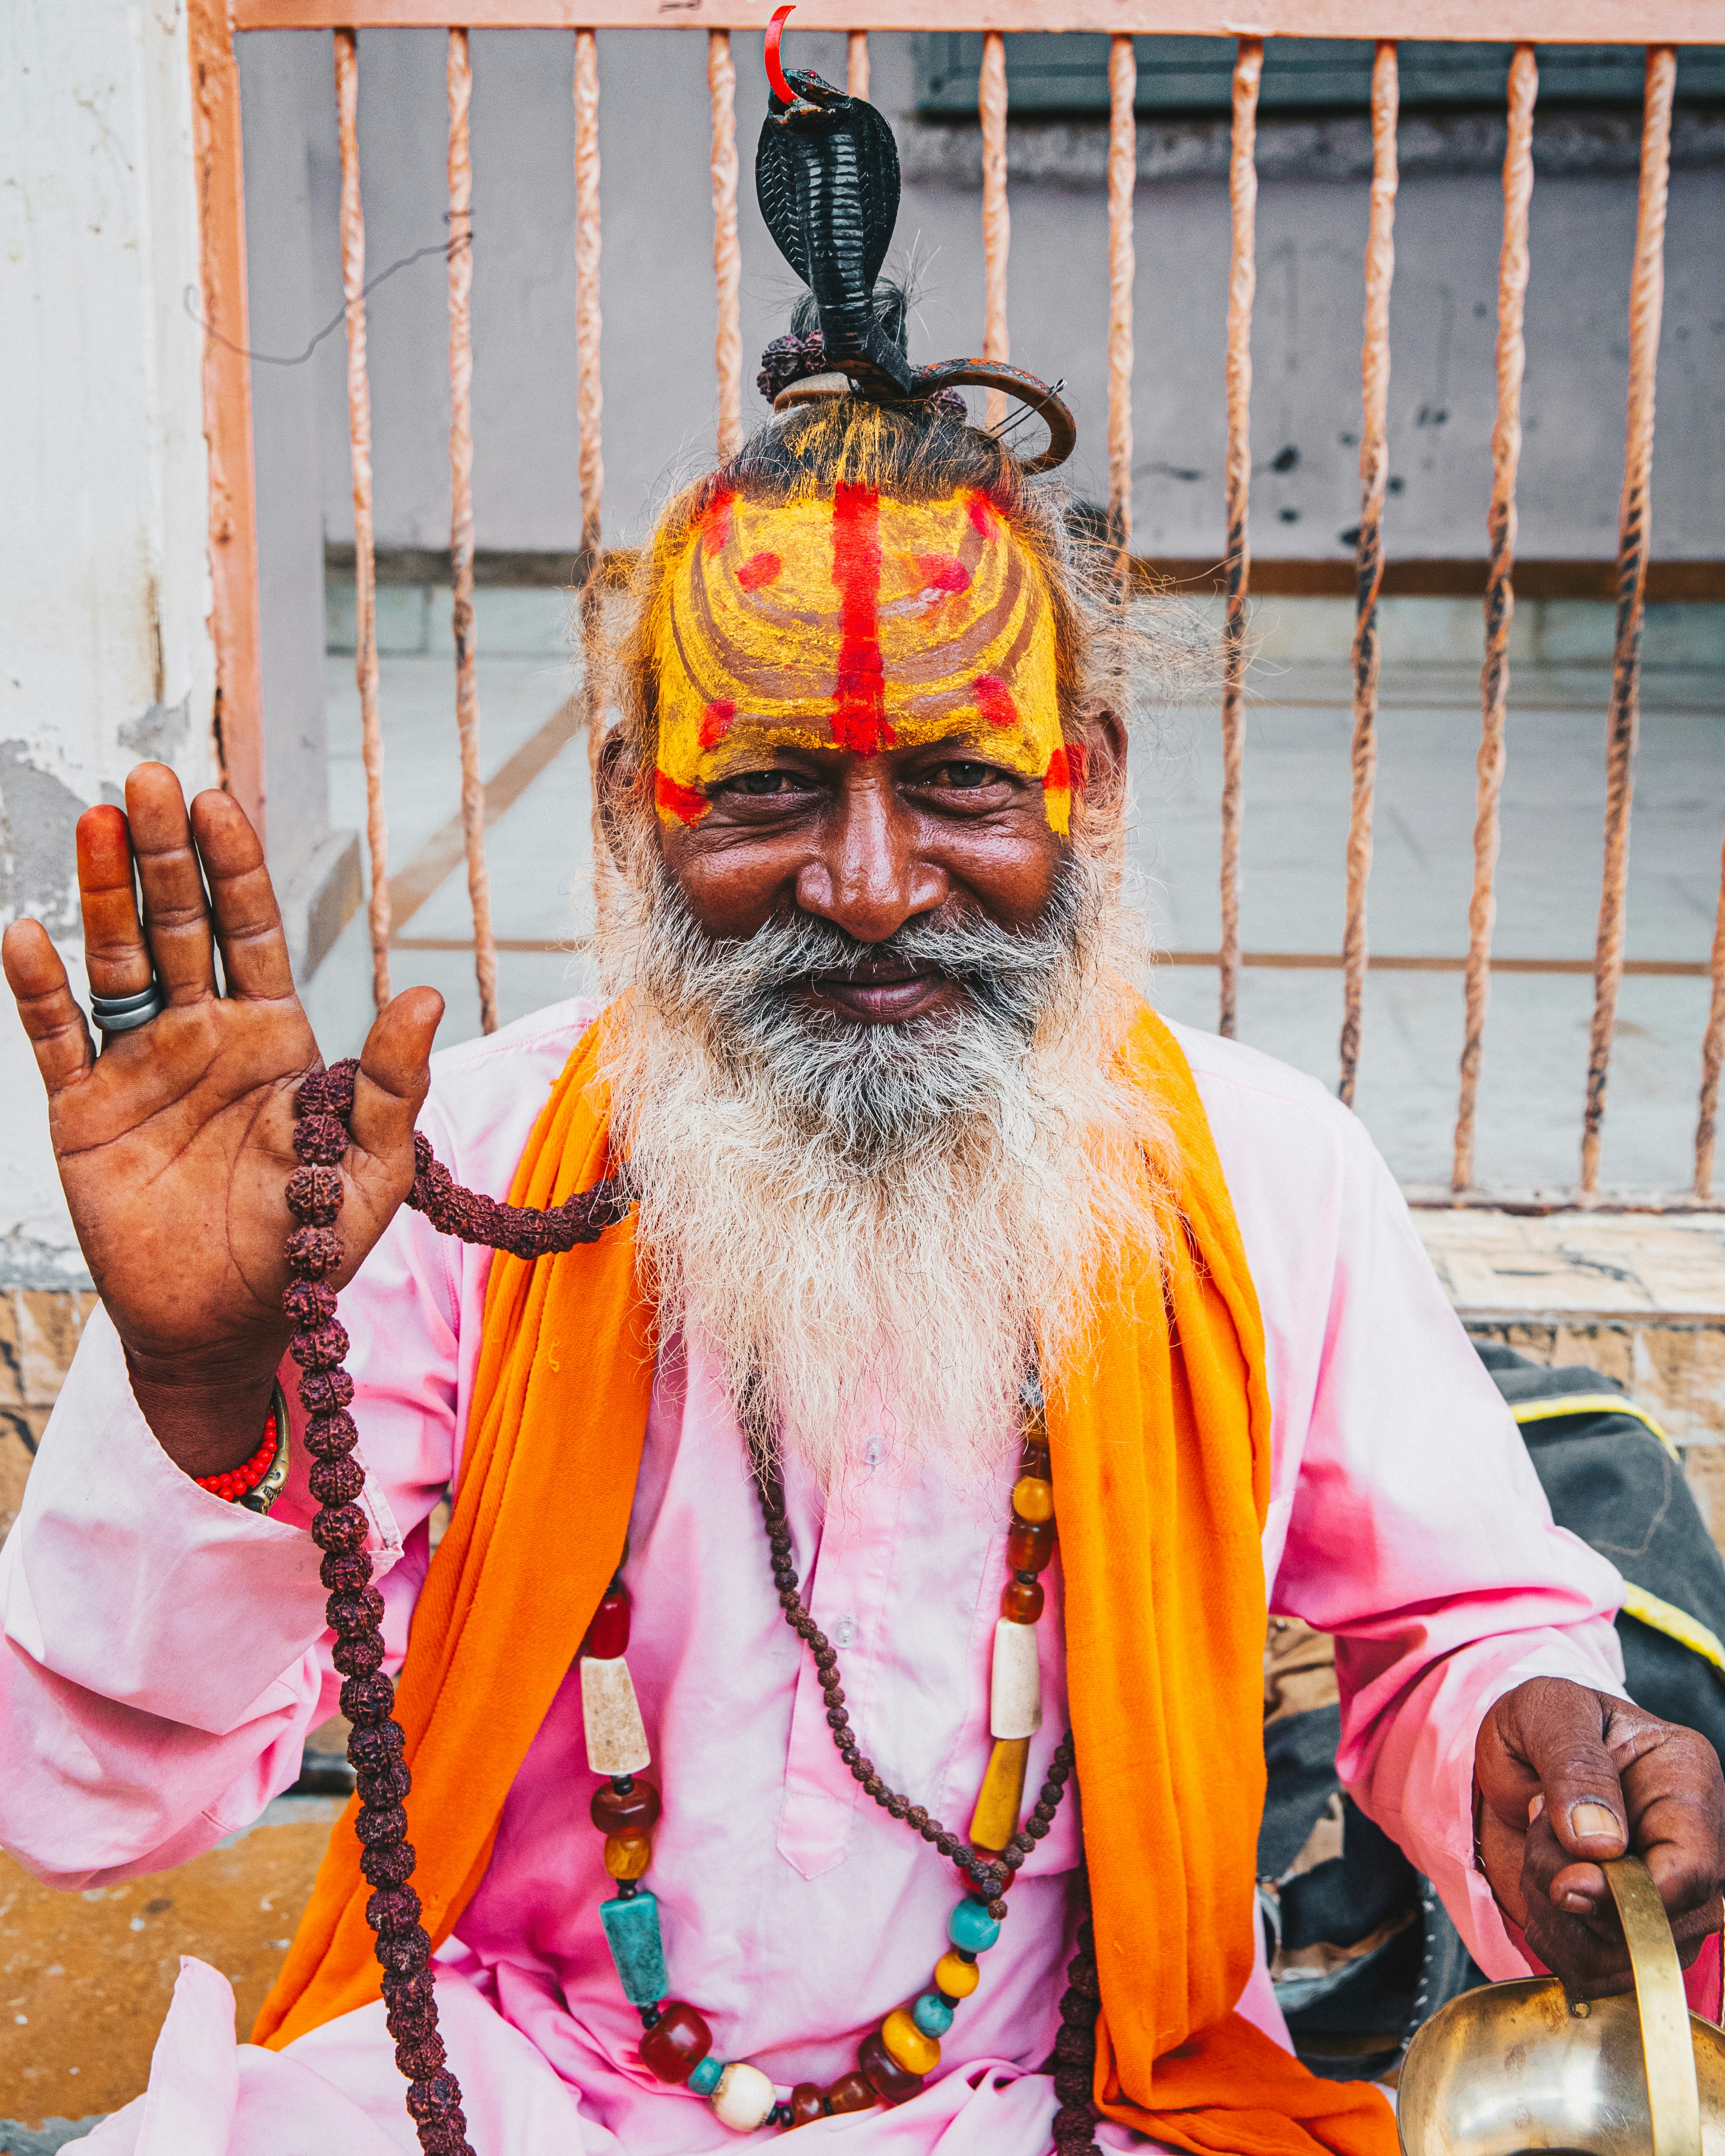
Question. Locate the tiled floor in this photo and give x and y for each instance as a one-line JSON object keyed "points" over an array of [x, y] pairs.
{"points": [[1296, 820]]}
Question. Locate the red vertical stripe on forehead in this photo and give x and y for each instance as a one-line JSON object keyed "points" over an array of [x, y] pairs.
{"points": [[716, 522], [994, 700], [860, 690]]}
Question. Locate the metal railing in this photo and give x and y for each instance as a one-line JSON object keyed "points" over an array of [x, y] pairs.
{"points": [[1659, 25]]}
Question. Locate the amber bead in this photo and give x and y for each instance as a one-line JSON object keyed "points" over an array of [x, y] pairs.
{"points": [[957, 1978], [807, 2103], [619, 1812], [1033, 1499], [1022, 1602], [909, 2047], [1029, 1548], [676, 2043], [883, 2074], [608, 1635], [850, 2092], [627, 1855]]}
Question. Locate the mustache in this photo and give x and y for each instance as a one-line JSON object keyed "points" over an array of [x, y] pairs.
{"points": [[1004, 972]]}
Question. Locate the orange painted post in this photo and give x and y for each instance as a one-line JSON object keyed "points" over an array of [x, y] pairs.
{"points": [[359, 435], [996, 220], [1369, 553], [1242, 290], [727, 256], [237, 717], [1500, 589], [467, 717], [1646, 302], [856, 64]]}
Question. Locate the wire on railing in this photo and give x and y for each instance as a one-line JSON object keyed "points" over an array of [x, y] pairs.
{"points": [[996, 220], [856, 64], [1368, 552], [1122, 179], [727, 258], [1713, 1052], [1242, 290], [1646, 301], [1500, 589], [472, 786], [359, 436]]}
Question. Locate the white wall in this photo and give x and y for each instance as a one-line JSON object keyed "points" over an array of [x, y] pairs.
{"points": [[658, 312], [106, 655]]}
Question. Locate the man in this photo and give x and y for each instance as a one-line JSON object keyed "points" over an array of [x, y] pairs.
{"points": [[904, 1146]]}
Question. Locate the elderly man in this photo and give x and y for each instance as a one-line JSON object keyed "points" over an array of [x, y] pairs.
{"points": [[981, 1360]]}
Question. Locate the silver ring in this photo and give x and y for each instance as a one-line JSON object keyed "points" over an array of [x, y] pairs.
{"points": [[125, 1013]]}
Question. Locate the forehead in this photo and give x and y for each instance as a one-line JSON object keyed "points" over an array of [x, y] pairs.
{"points": [[788, 609]]}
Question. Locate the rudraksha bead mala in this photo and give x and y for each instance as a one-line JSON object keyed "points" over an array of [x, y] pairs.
{"points": [[676, 2044]]}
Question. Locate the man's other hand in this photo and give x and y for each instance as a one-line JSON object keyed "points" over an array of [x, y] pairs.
{"points": [[1568, 1777]]}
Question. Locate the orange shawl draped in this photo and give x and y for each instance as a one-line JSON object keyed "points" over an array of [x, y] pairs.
{"points": [[1161, 1445]]}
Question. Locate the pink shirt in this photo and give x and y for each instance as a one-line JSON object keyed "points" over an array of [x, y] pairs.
{"points": [[168, 1658]]}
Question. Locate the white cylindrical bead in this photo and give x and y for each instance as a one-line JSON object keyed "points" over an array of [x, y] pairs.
{"points": [[616, 1740], [1015, 1698], [742, 2098]]}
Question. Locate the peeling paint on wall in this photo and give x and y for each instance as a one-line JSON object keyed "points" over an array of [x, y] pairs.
{"points": [[159, 730], [39, 868]]}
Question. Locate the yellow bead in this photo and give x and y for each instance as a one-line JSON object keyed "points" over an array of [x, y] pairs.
{"points": [[957, 1978], [1033, 1499], [627, 1855], [995, 1820], [907, 2046]]}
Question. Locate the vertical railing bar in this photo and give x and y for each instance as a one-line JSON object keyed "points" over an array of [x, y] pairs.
{"points": [[997, 219], [1122, 180], [1242, 290], [727, 257], [1500, 590], [472, 785], [359, 432], [856, 64], [589, 394], [1713, 1052], [1646, 301], [1368, 555]]}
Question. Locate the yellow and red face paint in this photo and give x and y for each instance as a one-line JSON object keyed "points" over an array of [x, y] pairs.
{"points": [[856, 623]]}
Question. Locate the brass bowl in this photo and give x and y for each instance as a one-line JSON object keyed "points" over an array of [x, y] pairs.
{"points": [[1518, 2066]]}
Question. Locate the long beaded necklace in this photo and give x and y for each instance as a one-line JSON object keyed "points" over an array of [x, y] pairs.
{"points": [[313, 1251], [894, 2058]]}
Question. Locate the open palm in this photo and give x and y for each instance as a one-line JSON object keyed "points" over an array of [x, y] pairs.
{"points": [[175, 1143]]}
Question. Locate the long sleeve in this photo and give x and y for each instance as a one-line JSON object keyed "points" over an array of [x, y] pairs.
{"points": [[1405, 1517], [165, 1651]]}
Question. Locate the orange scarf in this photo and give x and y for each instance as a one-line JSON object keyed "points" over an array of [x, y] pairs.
{"points": [[1161, 1445]]}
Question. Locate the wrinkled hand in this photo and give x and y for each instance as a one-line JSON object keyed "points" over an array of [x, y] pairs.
{"points": [[175, 1144], [1568, 1778]]}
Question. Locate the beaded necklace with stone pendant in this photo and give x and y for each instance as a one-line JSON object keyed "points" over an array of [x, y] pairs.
{"points": [[895, 2058]]}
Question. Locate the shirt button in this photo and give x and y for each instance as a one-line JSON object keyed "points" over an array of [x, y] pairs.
{"points": [[874, 1452], [845, 1631]]}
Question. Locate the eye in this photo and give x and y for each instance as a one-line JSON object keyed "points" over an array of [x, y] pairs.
{"points": [[766, 785], [961, 777]]}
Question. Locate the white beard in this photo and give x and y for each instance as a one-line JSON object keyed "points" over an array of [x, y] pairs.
{"points": [[913, 1213]]}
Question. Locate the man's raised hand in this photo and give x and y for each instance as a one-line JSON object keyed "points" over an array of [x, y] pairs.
{"points": [[174, 1145]]}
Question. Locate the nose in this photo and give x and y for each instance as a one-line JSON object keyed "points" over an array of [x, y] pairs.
{"points": [[867, 875]]}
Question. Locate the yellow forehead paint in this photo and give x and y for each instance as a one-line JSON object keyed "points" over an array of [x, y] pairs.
{"points": [[859, 623]]}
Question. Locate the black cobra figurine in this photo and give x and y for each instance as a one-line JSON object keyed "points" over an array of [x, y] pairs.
{"points": [[826, 177]]}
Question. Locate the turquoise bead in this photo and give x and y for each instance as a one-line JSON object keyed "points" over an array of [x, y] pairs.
{"points": [[632, 1931], [931, 2015], [705, 2079], [971, 1927]]}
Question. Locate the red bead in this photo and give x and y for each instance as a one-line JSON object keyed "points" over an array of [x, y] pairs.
{"points": [[617, 1811], [1029, 1548], [1022, 1602], [608, 1635], [807, 2103], [676, 2043], [883, 2074], [850, 2092]]}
